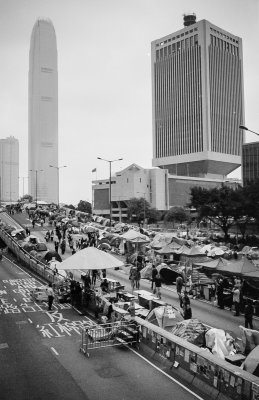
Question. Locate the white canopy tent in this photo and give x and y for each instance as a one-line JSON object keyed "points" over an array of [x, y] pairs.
{"points": [[90, 258]]}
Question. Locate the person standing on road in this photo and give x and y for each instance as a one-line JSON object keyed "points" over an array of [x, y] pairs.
{"points": [[154, 274], [158, 284], [51, 296], [179, 286], [236, 300], [249, 314]]}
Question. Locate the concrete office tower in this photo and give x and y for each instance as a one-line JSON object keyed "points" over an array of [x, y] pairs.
{"points": [[43, 112], [9, 170], [198, 100]]}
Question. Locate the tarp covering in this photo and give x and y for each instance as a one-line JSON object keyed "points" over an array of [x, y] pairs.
{"points": [[250, 339], [191, 330], [90, 258], [169, 248], [220, 342], [240, 267]]}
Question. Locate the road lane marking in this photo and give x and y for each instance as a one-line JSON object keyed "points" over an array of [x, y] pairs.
{"points": [[164, 373], [21, 322], [15, 300], [54, 351], [30, 321], [3, 346]]}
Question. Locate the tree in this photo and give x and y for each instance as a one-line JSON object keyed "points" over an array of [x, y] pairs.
{"points": [[137, 208], [84, 206], [27, 198], [177, 214], [216, 204]]}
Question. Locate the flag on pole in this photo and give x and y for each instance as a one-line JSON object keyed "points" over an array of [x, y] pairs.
{"points": [[94, 170]]}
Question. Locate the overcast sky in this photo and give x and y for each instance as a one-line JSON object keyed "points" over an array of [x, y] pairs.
{"points": [[104, 73]]}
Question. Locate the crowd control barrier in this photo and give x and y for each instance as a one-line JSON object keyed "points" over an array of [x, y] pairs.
{"points": [[107, 335], [211, 375], [29, 261]]}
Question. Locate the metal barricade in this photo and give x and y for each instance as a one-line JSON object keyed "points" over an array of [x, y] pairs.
{"points": [[109, 334]]}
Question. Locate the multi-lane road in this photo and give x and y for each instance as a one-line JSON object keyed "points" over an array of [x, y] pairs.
{"points": [[40, 358]]}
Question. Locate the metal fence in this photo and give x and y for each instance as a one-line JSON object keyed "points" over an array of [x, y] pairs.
{"points": [[107, 335]]}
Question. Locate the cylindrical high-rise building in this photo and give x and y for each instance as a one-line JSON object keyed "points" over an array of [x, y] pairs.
{"points": [[43, 113]]}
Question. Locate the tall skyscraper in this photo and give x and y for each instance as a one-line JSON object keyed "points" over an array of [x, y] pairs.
{"points": [[9, 169], [43, 112], [198, 100]]}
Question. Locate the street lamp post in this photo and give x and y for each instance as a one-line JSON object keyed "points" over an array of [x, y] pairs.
{"points": [[23, 177], [36, 189], [144, 206], [110, 188], [244, 128], [58, 168]]}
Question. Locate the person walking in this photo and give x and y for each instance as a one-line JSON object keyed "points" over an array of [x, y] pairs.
{"points": [[187, 312], [158, 284], [132, 276], [236, 300], [63, 246], [137, 279], [153, 275], [179, 286], [249, 314], [94, 276], [51, 296]]}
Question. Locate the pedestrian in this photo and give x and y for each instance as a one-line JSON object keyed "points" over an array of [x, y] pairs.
{"points": [[153, 275], [137, 279], [179, 286], [220, 294], [158, 284], [185, 300], [249, 314], [63, 246], [132, 276], [236, 300], [51, 295], [94, 276], [104, 273], [56, 244], [42, 222], [33, 223], [78, 294], [51, 235], [187, 312]]}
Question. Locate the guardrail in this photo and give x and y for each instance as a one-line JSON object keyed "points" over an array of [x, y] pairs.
{"points": [[211, 375], [29, 261]]}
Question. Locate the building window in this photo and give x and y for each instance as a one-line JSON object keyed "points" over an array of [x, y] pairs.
{"points": [[195, 40], [178, 44], [187, 43], [173, 47], [192, 41]]}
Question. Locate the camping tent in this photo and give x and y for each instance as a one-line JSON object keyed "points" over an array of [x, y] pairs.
{"points": [[90, 258], [165, 316]]}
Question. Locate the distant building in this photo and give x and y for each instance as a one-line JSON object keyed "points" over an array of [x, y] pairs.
{"points": [[9, 170], [198, 101], [250, 162], [43, 113], [133, 182], [160, 189]]}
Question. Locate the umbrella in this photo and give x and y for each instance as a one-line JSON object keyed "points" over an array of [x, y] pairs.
{"points": [[104, 246], [52, 254], [131, 234], [169, 248], [251, 363], [90, 229], [90, 258], [140, 240], [28, 247]]}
